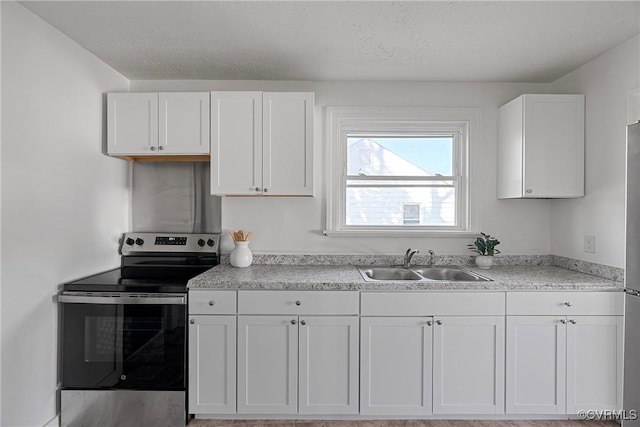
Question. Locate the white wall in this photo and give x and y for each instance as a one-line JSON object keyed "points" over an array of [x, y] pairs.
{"points": [[294, 225], [606, 82], [60, 197]]}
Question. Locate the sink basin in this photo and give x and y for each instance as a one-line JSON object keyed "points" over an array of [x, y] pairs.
{"points": [[389, 273], [422, 274], [449, 274]]}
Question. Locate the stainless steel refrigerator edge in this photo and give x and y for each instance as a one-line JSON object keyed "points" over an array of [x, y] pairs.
{"points": [[631, 395]]}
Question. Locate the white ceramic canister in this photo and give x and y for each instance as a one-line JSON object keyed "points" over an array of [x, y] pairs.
{"points": [[241, 255]]}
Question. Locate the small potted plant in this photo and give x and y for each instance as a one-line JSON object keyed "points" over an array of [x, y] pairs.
{"points": [[485, 246]]}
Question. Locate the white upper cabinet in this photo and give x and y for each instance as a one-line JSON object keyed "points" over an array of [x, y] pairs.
{"points": [[541, 147], [262, 143], [236, 143], [132, 123], [184, 123], [158, 124]]}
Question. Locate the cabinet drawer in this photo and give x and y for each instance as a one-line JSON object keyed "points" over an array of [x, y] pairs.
{"points": [[432, 303], [298, 302], [212, 302], [565, 303]]}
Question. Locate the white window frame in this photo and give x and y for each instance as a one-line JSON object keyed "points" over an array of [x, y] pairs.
{"points": [[463, 123]]}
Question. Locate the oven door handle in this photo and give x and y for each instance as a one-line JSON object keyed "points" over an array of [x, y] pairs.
{"points": [[156, 300]]}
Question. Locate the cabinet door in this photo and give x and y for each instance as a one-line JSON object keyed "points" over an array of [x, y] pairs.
{"points": [[184, 123], [328, 382], [594, 363], [212, 364], [288, 143], [236, 143], [132, 123], [468, 365], [553, 146], [267, 365], [395, 366], [536, 347]]}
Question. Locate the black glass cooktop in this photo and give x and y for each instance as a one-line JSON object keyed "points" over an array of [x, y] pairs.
{"points": [[148, 276]]}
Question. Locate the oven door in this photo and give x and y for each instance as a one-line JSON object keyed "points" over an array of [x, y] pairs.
{"points": [[123, 341]]}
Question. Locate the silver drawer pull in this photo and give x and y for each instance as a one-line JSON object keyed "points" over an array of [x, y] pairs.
{"points": [[303, 322], [298, 302], [193, 322], [211, 302], [568, 304], [439, 322], [429, 323], [293, 322], [573, 321], [563, 321]]}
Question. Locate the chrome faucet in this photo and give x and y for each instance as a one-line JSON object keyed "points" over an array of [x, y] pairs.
{"points": [[432, 255], [408, 255]]}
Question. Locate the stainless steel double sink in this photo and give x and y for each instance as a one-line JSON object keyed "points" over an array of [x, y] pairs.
{"points": [[423, 274]]}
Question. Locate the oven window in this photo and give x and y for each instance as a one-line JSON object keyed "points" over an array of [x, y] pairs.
{"points": [[123, 346]]}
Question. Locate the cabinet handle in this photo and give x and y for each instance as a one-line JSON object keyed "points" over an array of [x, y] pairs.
{"points": [[303, 322], [429, 323], [160, 147], [293, 322], [529, 191], [211, 302], [193, 322], [257, 189], [264, 190], [573, 321], [439, 322], [568, 304], [563, 321], [298, 302], [152, 148]]}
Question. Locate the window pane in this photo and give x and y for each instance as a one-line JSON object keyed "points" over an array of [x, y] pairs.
{"points": [[396, 156], [377, 206]]}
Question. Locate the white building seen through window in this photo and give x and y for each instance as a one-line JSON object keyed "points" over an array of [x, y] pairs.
{"points": [[400, 181]]}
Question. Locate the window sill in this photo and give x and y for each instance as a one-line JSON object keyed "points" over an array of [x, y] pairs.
{"points": [[400, 233]]}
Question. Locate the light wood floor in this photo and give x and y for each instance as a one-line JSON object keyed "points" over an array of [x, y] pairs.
{"points": [[399, 423]]}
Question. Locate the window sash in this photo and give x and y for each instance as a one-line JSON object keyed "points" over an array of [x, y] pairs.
{"points": [[344, 122]]}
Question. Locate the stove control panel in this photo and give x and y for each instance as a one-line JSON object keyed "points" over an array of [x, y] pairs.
{"points": [[133, 243]]}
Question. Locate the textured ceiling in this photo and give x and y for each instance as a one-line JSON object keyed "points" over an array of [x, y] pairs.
{"points": [[344, 40]]}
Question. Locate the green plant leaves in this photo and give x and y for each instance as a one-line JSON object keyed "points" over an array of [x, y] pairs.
{"points": [[485, 245]]}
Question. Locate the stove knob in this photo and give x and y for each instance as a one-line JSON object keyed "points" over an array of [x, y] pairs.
{"points": [[201, 242], [139, 241], [210, 242], [129, 241]]}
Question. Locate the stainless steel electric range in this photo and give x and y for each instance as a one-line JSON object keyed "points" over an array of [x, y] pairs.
{"points": [[124, 340]]}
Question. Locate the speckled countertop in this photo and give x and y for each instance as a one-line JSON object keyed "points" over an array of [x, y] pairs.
{"points": [[319, 277]]}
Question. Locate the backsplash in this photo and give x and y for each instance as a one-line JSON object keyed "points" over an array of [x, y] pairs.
{"points": [[604, 271], [173, 197]]}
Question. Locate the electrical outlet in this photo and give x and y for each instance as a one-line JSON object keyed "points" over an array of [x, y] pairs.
{"points": [[590, 244]]}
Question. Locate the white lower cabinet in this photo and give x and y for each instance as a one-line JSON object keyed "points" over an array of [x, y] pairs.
{"points": [[267, 365], [297, 364], [212, 364], [328, 365], [594, 363], [406, 354], [468, 365], [395, 365], [536, 370], [566, 362], [420, 365]]}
